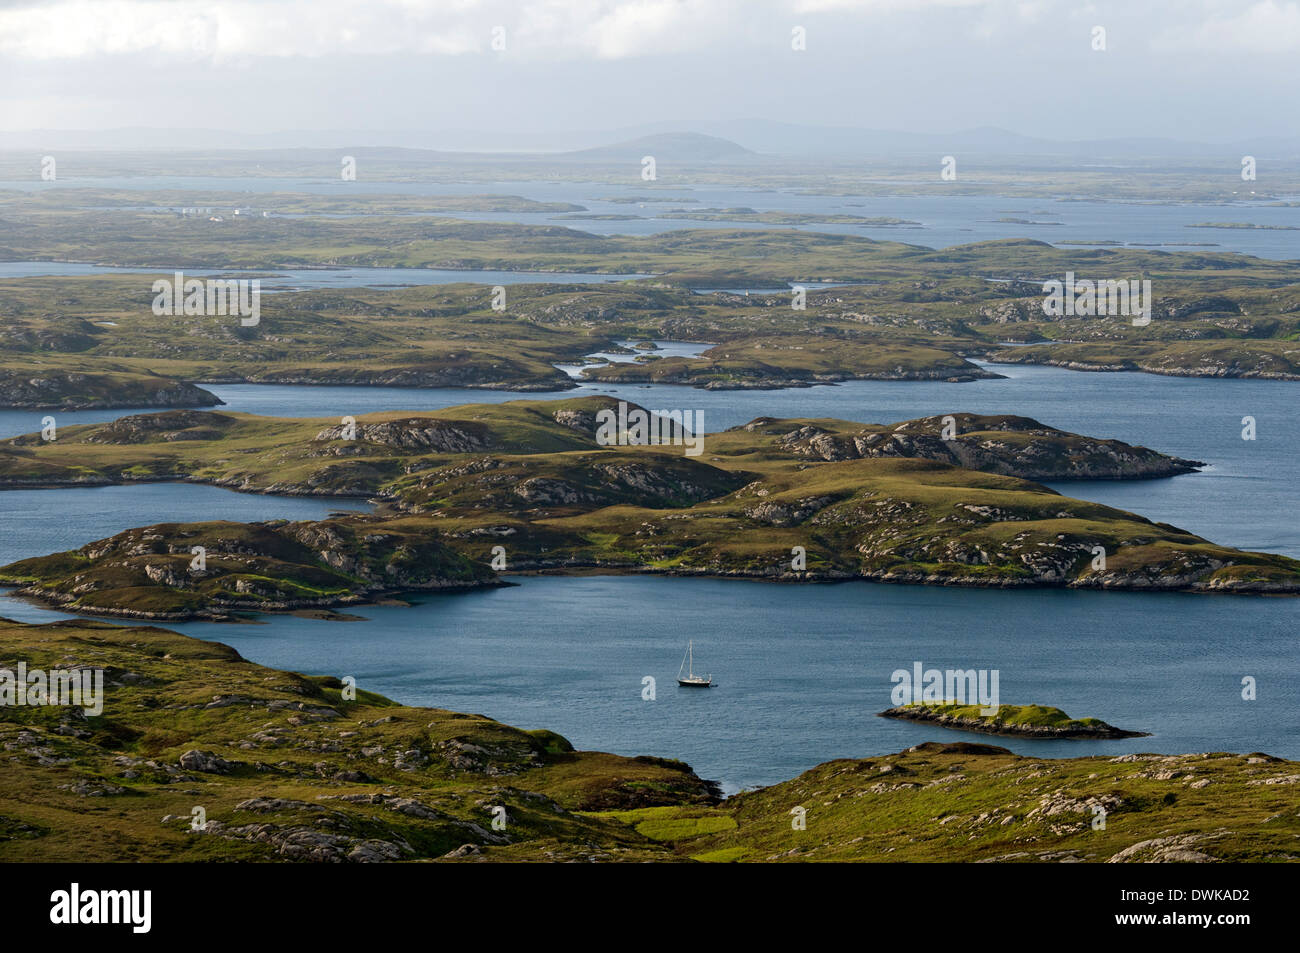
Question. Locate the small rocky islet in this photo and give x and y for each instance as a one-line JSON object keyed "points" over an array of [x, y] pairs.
{"points": [[1018, 721]]}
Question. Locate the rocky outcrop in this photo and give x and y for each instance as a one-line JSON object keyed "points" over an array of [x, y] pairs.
{"points": [[1029, 450], [168, 426], [583, 421], [204, 761], [417, 433]]}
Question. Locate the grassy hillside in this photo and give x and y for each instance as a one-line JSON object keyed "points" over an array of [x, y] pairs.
{"points": [[981, 803]]}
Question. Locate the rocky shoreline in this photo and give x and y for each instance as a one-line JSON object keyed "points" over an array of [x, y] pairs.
{"points": [[704, 381], [229, 610], [418, 379], [1139, 366], [67, 391], [233, 610]]}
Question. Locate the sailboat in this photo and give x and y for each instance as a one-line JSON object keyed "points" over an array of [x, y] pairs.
{"points": [[691, 680]]}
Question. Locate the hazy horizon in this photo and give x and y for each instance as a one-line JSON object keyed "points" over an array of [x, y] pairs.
{"points": [[760, 136], [1216, 71]]}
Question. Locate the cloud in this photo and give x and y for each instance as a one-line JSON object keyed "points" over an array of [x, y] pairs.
{"points": [[540, 30], [1264, 27], [600, 29], [641, 27], [75, 29]]}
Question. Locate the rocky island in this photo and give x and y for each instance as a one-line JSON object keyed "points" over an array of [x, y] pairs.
{"points": [[1020, 721], [472, 492], [49, 386]]}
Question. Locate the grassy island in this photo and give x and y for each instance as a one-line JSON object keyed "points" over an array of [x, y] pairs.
{"points": [[1023, 721], [469, 492]]}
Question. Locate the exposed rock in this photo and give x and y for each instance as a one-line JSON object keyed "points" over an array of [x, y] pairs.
{"points": [[204, 761], [1049, 454], [169, 426], [1168, 850], [418, 433]]}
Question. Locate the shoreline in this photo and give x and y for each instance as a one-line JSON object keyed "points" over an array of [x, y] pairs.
{"points": [[572, 383], [392, 596]]}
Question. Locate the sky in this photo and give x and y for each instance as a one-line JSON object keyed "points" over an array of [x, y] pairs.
{"points": [[1206, 70]]}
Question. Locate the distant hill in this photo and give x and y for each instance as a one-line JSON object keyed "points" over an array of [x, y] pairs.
{"points": [[696, 140], [778, 138], [678, 146]]}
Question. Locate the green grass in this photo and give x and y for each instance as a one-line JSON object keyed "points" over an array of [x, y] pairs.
{"points": [[680, 828], [1029, 715], [951, 803], [726, 855]]}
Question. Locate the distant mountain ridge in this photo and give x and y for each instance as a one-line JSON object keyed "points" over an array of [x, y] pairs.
{"points": [[700, 140]]}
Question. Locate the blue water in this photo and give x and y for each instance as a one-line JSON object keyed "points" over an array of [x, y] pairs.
{"points": [[37, 522], [945, 219], [663, 349], [1246, 497], [305, 279], [802, 670]]}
